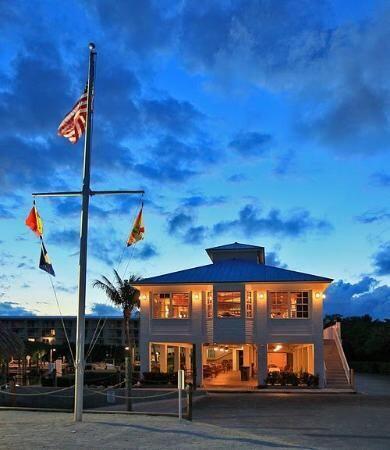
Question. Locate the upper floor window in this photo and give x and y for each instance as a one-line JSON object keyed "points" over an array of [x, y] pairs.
{"points": [[229, 304], [209, 305], [249, 305], [171, 306], [289, 305]]}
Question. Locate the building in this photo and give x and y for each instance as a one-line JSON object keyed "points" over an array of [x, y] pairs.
{"points": [[235, 320], [50, 330]]}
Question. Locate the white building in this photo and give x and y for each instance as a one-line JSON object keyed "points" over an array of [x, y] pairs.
{"points": [[236, 321]]}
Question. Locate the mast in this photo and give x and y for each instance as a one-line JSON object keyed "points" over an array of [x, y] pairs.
{"points": [[80, 336], [85, 194]]}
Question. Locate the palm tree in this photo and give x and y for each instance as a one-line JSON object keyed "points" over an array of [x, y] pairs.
{"points": [[122, 293]]}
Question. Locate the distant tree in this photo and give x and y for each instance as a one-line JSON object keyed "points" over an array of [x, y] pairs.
{"points": [[123, 294]]}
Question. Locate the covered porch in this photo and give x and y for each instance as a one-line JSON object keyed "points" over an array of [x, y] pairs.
{"points": [[229, 366]]}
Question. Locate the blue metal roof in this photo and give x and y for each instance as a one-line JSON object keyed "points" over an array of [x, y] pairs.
{"points": [[235, 246], [232, 271]]}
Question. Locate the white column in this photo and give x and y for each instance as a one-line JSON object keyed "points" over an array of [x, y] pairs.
{"points": [[188, 358], [262, 364], [176, 360], [163, 358]]}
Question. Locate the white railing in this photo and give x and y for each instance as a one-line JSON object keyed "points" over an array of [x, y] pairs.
{"points": [[334, 333]]}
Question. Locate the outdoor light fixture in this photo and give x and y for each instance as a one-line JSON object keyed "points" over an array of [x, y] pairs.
{"points": [[277, 348], [261, 294], [143, 297], [127, 348], [323, 296], [317, 295], [195, 295]]}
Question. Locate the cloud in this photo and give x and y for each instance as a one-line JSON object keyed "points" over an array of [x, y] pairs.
{"points": [[145, 251], [61, 287], [382, 260], [195, 235], [67, 237], [381, 179], [355, 299], [195, 201], [285, 163], [373, 216], [237, 178], [251, 143], [178, 221], [102, 309], [252, 221], [6, 212], [171, 115], [14, 309], [272, 259]]}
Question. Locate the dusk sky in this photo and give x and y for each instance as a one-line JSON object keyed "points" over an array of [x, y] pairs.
{"points": [[262, 122]]}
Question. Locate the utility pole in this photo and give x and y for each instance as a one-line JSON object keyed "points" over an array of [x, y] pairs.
{"points": [[85, 194]]}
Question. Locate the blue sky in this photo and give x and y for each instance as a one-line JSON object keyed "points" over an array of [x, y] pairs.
{"points": [[253, 121]]}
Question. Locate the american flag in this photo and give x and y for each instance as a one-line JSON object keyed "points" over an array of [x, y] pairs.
{"points": [[73, 125]]}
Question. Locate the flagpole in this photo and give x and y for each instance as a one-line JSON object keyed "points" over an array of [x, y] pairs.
{"points": [[80, 337]]}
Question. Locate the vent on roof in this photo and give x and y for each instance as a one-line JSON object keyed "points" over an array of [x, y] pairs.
{"points": [[236, 250]]}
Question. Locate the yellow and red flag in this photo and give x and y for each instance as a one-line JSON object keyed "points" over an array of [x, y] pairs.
{"points": [[34, 221], [137, 233]]}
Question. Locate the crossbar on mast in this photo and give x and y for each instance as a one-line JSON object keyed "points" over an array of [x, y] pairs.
{"points": [[78, 193], [57, 194]]}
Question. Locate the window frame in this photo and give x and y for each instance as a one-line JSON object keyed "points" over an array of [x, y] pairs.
{"points": [[249, 304], [292, 313], [169, 296], [209, 305], [229, 317]]}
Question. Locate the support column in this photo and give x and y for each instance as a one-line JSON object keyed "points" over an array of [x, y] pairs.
{"points": [[319, 362], [262, 364], [144, 353], [188, 358], [176, 358], [199, 364], [163, 358]]}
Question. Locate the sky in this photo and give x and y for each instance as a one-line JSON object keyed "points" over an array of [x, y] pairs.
{"points": [[261, 122]]}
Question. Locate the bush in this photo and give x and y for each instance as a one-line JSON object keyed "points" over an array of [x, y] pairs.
{"points": [[371, 367]]}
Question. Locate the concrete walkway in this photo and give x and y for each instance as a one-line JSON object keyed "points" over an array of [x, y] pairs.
{"points": [[37, 430]]}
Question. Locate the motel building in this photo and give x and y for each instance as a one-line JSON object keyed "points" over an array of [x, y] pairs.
{"points": [[233, 322]]}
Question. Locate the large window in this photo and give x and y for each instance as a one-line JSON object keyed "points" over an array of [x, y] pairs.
{"points": [[289, 305], [229, 304], [171, 306]]}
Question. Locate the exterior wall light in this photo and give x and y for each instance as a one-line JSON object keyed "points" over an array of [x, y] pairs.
{"points": [[195, 296], [142, 297], [261, 295], [317, 295], [323, 296]]}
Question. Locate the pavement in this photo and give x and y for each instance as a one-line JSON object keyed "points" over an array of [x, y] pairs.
{"points": [[220, 420]]}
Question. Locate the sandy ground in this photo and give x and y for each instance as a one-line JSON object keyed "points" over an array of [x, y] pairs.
{"points": [[42, 430]]}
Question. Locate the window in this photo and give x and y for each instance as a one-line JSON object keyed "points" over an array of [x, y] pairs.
{"points": [[229, 304], [171, 306], [179, 305], [299, 305], [249, 305], [209, 305], [289, 305]]}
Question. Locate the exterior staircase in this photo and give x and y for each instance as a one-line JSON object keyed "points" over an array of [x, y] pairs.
{"points": [[338, 375], [335, 373]]}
